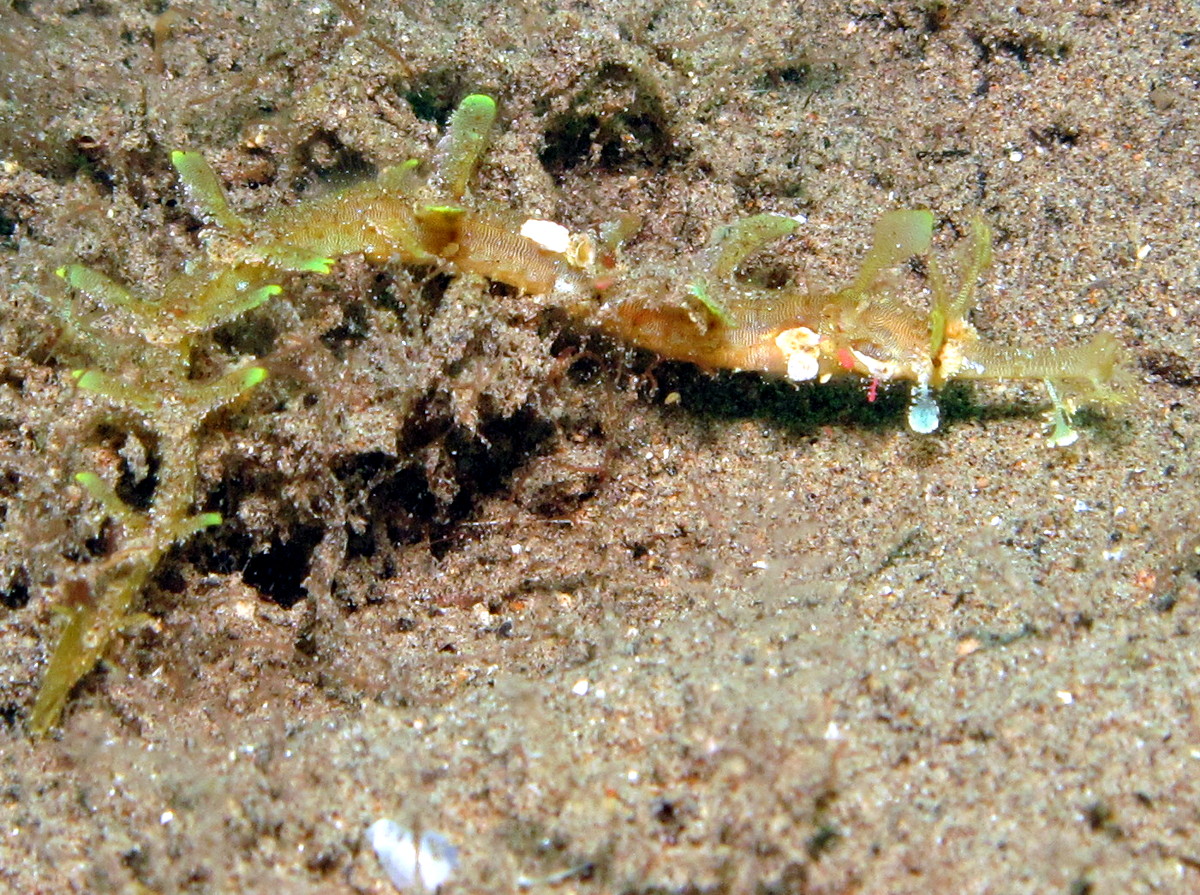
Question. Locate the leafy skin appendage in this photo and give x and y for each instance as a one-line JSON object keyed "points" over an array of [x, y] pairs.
{"points": [[864, 328]]}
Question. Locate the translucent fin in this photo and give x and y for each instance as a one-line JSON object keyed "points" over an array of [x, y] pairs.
{"points": [[614, 233], [974, 256], [1089, 371], [737, 241], [898, 236], [459, 151], [204, 191]]}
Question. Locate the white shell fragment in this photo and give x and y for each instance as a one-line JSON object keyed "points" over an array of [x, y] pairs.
{"points": [[800, 347], [411, 865], [550, 236], [802, 367]]}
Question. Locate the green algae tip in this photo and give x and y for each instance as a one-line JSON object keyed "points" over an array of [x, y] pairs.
{"points": [[89, 480], [478, 104], [253, 377], [88, 380], [100, 492], [314, 265]]}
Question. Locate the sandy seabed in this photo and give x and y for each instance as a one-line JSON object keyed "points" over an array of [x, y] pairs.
{"points": [[610, 629]]}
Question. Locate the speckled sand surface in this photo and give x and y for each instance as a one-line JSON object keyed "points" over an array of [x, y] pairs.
{"points": [[755, 639]]}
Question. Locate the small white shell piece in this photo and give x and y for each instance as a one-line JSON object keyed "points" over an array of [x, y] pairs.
{"points": [[550, 236], [412, 866], [800, 347]]}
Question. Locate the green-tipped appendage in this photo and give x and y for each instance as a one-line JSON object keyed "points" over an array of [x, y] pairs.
{"points": [[136, 397], [192, 524], [459, 151], [201, 398], [204, 191], [208, 396], [103, 493], [255, 297], [232, 293], [95, 486], [297, 259], [400, 178], [98, 287]]}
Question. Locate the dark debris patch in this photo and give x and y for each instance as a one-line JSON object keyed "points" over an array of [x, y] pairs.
{"points": [[278, 572], [617, 123], [435, 95], [324, 158], [8, 229], [16, 595], [1169, 366]]}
